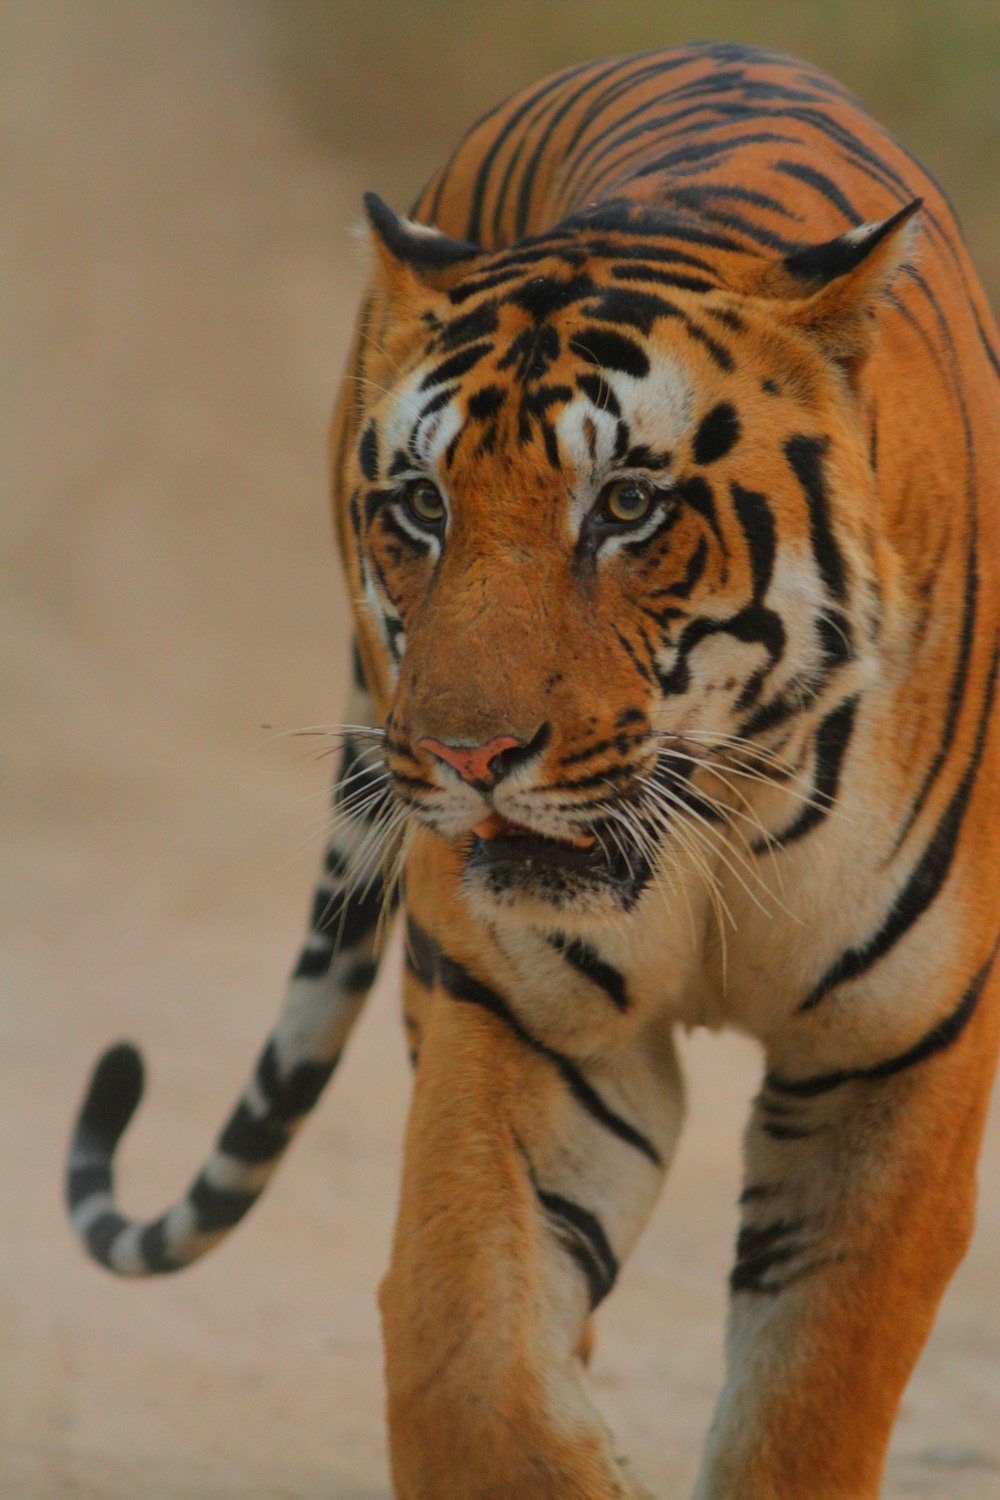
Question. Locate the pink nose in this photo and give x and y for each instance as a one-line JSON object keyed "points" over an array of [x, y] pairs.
{"points": [[472, 762]]}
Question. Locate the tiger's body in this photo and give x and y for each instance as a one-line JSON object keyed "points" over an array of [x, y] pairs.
{"points": [[667, 482]]}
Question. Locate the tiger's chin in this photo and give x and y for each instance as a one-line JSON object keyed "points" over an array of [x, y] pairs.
{"points": [[531, 877]]}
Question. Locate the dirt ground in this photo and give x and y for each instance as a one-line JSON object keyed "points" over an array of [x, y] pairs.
{"points": [[183, 282]]}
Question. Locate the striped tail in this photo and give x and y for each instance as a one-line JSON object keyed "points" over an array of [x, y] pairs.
{"points": [[335, 971]]}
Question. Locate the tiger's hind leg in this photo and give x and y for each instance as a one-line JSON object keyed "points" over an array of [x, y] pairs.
{"points": [[857, 1208], [528, 1176]]}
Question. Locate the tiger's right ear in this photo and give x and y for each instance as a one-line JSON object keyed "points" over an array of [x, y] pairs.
{"points": [[414, 257]]}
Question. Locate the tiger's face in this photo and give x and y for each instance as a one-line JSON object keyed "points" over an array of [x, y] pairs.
{"points": [[604, 539]]}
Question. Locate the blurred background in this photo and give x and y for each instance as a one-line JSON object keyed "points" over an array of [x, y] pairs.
{"points": [[179, 280]]}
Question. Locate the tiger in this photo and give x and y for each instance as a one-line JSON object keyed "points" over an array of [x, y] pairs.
{"points": [[665, 478]]}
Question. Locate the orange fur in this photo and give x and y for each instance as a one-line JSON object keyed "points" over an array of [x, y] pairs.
{"points": [[666, 478], [866, 397]]}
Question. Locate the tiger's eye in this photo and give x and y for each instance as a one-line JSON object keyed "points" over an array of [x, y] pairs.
{"points": [[627, 501], [424, 500]]}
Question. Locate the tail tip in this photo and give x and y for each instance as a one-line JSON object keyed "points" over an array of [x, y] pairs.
{"points": [[113, 1095]]}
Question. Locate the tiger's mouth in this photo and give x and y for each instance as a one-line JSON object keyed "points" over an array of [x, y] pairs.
{"points": [[511, 859]]}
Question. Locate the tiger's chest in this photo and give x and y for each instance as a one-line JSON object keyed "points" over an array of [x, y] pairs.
{"points": [[740, 933]]}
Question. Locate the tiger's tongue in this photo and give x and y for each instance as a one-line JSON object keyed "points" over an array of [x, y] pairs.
{"points": [[496, 827]]}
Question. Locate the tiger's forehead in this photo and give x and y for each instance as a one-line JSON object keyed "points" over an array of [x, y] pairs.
{"points": [[544, 368], [626, 421]]}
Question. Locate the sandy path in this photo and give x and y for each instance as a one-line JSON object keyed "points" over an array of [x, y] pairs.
{"points": [[184, 287]]}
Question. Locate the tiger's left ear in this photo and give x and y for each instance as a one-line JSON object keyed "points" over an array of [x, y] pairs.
{"points": [[833, 290], [412, 257]]}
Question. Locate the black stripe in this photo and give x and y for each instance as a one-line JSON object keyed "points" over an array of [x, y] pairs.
{"points": [[473, 229], [420, 953], [456, 365], [357, 667], [470, 327], [541, 141], [805, 454], [832, 740], [956, 689], [153, 1248], [360, 775], [626, 305], [434, 403], [252, 1138], [619, 742], [102, 1234], [697, 154], [662, 277], [611, 351], [314, 963], [664, 63], [718, 432], [633, 269], [940, 1037], [582, 1234], [694, 197], [697, 492], [348, 920], [219, 1208], [956, 692], [771, 715], [359, 976], [644, 670], [368, 453], [779, 1131], [756, 624], [341, 919], [823, 185], [588, 962], [696, 200], [506, 271], [759, 1251], [660, 248], [295, 1095], [925, 881], [757, 524], [757, 1192], [634, 70], [514, 161], [87, 1182], [692, 574], [719, 354], [984, 339], [463, 986], [596, 388], [427, 213]]}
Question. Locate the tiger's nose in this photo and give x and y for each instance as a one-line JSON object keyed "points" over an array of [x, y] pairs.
{"points": [[479, 765]]}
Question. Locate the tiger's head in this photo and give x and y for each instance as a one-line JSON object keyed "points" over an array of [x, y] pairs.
{"points": [[607, 514]]}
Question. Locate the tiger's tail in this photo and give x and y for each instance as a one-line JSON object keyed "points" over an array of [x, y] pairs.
{"points": [[336, 969]]}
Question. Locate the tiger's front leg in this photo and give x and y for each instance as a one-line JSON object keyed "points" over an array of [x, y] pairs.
{"points": [[528, 1176], [857, 1208]]}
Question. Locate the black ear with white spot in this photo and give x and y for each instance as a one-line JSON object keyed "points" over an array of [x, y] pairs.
{"points": [[832, 291], [817, 265], [434, 257]]}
